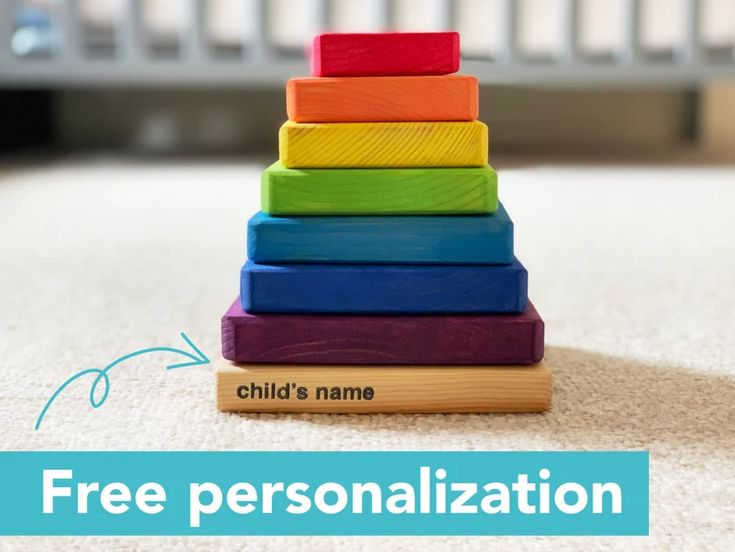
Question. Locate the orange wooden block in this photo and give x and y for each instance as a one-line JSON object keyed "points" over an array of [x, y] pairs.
{"points": [[382, 99]]}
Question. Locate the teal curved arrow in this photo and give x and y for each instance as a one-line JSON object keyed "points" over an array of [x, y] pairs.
{"points": [[197, 359]]}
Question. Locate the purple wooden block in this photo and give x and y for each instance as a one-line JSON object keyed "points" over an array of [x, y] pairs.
{"points": [[382, 339]]}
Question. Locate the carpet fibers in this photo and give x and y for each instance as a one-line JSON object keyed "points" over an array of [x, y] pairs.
{"points": [[633, 269]]}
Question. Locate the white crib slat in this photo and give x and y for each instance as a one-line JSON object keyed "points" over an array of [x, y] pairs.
{"points": [[448, 15], [130, 32], [385, 11], [69, 26], [509, 45], [193, 38], [324, 10], [690, 49], [257, 44], [569, 14], [630, 49], [6, 32]]}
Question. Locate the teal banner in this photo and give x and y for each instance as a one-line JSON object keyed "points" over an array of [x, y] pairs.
{"points": [[324, 493]]}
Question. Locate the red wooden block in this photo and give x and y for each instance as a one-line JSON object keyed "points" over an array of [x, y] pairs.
{"points": [[384, 54]]}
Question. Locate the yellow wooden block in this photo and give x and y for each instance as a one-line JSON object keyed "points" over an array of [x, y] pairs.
{"points": [[415, 144]]}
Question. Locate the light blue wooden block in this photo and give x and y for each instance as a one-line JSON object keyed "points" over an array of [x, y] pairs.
{"points": [[469, 239]]}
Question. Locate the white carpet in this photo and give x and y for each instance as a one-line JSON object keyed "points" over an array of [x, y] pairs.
{"points": [[632, 268]]}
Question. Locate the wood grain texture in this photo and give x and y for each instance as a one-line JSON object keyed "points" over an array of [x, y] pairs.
{"points": [[339, 288], [384, 54], [376, 99], [480, 239], [419, 389], [437, 191], [426, 144], [395, 339]]}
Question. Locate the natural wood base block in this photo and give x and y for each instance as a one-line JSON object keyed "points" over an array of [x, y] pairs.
{"points": [[386, 389]]}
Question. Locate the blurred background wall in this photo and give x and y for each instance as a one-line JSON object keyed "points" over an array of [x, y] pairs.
{"points": [[206, 76]]}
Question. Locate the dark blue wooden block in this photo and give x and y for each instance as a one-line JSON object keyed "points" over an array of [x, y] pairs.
{"points": [[481, 239], [329, 288]]}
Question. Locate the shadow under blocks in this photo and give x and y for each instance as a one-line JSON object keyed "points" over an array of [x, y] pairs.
{"points": [[614, 402]]}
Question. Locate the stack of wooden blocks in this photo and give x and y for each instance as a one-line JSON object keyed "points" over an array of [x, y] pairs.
{"points": [[381, 275]]}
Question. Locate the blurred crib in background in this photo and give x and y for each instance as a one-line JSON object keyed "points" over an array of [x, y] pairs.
{"points": [[191, 76], [217, 42]]}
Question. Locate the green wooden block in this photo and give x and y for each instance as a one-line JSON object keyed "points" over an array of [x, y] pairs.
{"points": [[421, 191]]}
